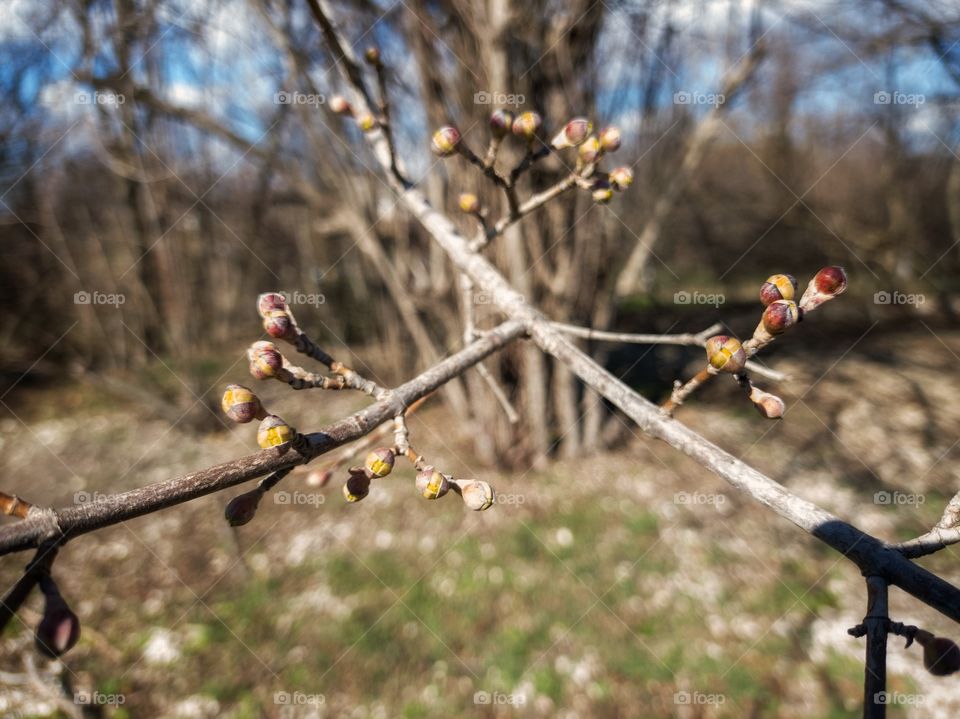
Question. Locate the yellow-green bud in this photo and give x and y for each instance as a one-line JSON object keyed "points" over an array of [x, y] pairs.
{"points": [[274, 432], [469, 203], [726, 353], [431, 484], [380, 462]]}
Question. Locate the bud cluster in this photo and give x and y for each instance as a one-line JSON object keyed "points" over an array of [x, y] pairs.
{"points": [[527, 127], [378, 464]]}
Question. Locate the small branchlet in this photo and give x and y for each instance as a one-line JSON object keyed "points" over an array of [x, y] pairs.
{"points": [[781, 313], [13, 506], [447, 141]]}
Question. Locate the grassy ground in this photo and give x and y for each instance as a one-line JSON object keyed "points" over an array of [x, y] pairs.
{"points": [[629, 585]]}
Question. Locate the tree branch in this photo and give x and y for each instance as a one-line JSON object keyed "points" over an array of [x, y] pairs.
{"points": [[870, 554], [68, 522]]}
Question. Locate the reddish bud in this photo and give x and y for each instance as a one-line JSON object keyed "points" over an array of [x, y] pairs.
{"points": [[271, 302], [780, 316], [726, 353], [778, 287], [501, 123], [573, 133], [610, 139], [445, 141], [240, 404], [265, 360], [527, 125], [278, 324], [242, 508], [380, 462], [831, 281]]}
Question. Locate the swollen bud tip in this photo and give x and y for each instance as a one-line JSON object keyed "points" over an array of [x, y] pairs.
{"points": [[780, 316], [240, 404], [527, 125], [610, 139], [589, 151], [273, 432], [573, 133], [778, 287], [621, 178], [242, 508], [469, 203], [445, 141], [380, 462], [477, 494], [265, 360], [726, 353], [357, 486], [501, 123], [431, 484]]}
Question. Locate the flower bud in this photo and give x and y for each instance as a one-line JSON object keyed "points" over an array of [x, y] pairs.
{"points": [[767, 404], [572, 134], [445, 141], [501, 123], [602, 192], [265, 360], [941, 656], [778, 287], [610, 139], [431, 484], [380, 462], [589, 151], [372, 55], [59, 628], [240, 404], [831, 281], [271, 302], [621, 178], [469, 203], [357, 486], [780, 316], [527, 125], [726, 353], [477, 494], [277, 324], [826, 284], [242, 508], [366, 122], [340, 105], [273, 432]]}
